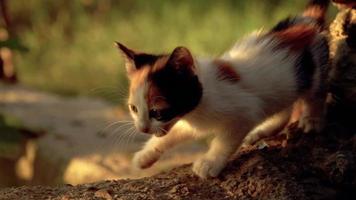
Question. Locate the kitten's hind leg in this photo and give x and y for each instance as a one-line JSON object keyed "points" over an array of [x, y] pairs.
{"points": [[314, 101], [312, 118], [270, 127]]}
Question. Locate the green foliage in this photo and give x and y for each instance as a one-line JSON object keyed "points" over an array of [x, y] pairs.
{"points": [[14, 44], [72, 42]]}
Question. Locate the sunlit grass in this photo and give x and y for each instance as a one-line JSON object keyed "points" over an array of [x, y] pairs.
{"points": [[72, 42]]}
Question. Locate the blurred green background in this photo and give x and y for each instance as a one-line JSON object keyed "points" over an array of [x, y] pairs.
{"points": [[67, 47], [71, 42]]}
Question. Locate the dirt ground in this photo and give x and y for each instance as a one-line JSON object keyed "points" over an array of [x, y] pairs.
{"points": [[311, 166]]}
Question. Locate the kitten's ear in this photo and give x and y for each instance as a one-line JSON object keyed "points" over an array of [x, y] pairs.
{"points": [[181, 59], [129, 57]]}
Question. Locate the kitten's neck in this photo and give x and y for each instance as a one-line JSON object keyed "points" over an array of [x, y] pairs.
{"points": [[223, 97], [206, 108], [204, 71]]}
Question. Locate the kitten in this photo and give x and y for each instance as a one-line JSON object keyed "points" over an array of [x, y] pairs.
{"points": [[177, 97]]}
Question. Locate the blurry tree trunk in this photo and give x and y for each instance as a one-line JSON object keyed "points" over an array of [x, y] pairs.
{"points": [[7, 68]]}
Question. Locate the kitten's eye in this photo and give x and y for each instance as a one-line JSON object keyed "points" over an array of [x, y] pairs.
{"points": [[133, 108], [156, 114]]}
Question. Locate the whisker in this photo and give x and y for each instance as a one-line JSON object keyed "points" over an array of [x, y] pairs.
{"points": [[112, 141], [102, 88], [130, 138], [118, 138], [126, 125], [102, 132], [123, 136], [110, 92], [164, 130]]}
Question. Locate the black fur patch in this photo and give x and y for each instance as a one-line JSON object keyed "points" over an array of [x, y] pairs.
{"points": [[350, 29], [145, 59], [305, 71], [138, 59], [284, 24], [321, 3], [292, 21], [181, 89]]}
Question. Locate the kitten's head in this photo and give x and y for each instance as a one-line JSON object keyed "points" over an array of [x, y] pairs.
{"points": [[163, 88]]}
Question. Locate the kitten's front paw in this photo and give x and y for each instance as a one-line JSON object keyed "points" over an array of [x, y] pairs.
{"points": [[205, 167], [309, 124], [250, 139], [146, 158]]}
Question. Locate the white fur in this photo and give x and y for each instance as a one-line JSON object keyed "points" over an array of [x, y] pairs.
{"points": [[141, 118]]}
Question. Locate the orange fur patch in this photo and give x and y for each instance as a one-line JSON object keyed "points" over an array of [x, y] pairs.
{"points": [[296, 112], [296, 37], [315, 12], [226, 71], [138, 77], [160, 63], [155, 99]]}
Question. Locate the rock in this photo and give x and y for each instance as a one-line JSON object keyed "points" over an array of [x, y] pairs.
{"points": [[314, 170], [104, 194]]}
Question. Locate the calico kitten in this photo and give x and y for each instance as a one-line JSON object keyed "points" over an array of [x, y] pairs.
{"points": [[176, 96]]}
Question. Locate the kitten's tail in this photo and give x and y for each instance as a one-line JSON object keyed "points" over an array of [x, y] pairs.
{"points": [[317, 9]]}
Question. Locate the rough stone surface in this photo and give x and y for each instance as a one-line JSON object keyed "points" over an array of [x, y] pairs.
{"points": [[311, 166]]}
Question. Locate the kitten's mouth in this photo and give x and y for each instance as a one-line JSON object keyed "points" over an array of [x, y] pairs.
{"points": [[165, 129], [160, 134]]}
